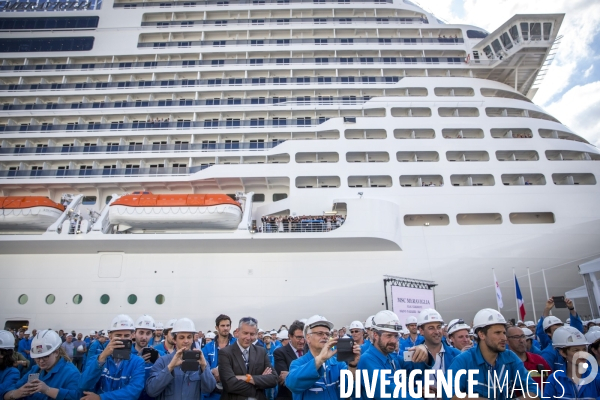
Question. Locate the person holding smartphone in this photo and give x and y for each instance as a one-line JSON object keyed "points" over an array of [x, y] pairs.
{"points": [[169, 381], [144, 332], [9, 375], [53, 376], [116, 374]]}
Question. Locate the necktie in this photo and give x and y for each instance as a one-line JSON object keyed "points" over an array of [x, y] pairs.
{"points": [[245, 354], [299, 353]]}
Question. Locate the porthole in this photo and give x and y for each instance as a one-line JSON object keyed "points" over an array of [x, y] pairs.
{"points": [[77, 299], [104, 299], [50, 299], [23, 299], [132, 299], [160, 299]]}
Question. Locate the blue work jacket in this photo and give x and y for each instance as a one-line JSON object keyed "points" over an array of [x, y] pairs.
{"points": [[64, 376], [365, 346], [560, 386], [25, 345], [408, 343], [543, 337], [553, 358], [147, 367], [8, 378], [450, 353], [306, 382], [373, 360], [507, 365], [211, 354], [112, 381], [178, 385]]}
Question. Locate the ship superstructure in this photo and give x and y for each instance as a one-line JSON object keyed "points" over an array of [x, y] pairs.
{"points": [[355, 139]]}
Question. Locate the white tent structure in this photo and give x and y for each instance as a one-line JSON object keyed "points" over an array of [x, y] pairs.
{"points": [[591, 289]]}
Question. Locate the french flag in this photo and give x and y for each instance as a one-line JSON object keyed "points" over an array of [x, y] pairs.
{"points": [[520, 299]]}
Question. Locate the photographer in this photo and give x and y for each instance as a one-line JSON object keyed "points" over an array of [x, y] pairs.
{"points": [[53, 376], [548, 324], [168, 381], [144, 331], [116, 374]]}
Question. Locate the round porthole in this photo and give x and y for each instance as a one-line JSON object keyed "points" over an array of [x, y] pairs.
{"points": [[23, 299], [104, 299], [77, 299], [132, 299], [160, 299], [50, 299]]}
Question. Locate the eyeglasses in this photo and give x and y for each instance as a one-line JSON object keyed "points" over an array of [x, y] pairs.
{"points": [[459, 322], [520, 337], [356, 331], [298, 337], [320, 334]]}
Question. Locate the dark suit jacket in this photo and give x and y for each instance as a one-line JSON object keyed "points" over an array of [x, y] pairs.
{"points": [[231, 363], [283, 358]]}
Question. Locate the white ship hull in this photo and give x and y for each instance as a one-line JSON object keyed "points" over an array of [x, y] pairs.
{"points": [[219, 217], [28, 220]]}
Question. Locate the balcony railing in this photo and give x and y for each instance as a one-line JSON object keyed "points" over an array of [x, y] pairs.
{"points": [[104, 172], [209, 124], [225, 3], [286, 21], [150, 148], [325, 80]]}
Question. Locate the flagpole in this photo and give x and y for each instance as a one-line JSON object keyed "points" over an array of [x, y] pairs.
{"points": [[531, 290], [546, 286], [495, 292], [516, 299]]}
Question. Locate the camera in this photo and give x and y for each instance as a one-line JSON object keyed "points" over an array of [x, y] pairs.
{"points": [[190, 361], [153, 354], [123, 353]]}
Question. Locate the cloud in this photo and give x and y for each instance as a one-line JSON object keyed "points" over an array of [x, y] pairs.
{"points": [[575, 54]]}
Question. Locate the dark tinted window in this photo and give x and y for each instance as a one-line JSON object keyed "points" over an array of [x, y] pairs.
{"points": [[22, 45], [476, 34], [48, 23]]}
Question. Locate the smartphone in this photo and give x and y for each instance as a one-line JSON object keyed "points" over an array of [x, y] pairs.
{"points": [[33, 377], [408, 356], [559, 301], [190, 361], [153, 354], [123, 353], [345, 351]]}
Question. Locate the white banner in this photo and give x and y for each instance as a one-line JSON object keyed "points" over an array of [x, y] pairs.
{"points": [[408, 302]]}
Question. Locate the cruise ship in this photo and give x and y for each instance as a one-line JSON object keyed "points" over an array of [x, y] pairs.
{"points": [[279, 159]]}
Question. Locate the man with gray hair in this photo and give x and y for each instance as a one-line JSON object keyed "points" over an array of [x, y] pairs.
{"points": [[244, 368]]}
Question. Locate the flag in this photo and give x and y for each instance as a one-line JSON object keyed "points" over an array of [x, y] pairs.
{"points": [[498, 292], [520, 300]]}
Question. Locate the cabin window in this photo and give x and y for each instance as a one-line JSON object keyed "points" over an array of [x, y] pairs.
{"points": [[23, 299], [532, 218], [479, 219], [77, 299], [426, 220], [258, 197], [50, 299], [160, 299], [104, 299], [279, 196], [108, 199], [132, 299], [89, 200]]}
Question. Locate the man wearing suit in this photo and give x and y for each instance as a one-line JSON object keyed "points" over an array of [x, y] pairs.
{"points": [[288, 353], [245, 369]]}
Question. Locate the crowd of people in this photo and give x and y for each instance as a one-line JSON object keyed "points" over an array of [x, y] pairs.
{"points": [[148, 360], [304, 223]]}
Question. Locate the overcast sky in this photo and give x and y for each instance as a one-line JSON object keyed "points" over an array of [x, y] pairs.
{"points": [[571, 89]]}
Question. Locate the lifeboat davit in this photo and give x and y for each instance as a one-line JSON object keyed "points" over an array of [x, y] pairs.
{"points": [[175, 212], [28, 213]]}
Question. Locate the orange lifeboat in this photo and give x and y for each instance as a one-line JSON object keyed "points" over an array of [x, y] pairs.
{"points": [[28, 213], [145, 211]]}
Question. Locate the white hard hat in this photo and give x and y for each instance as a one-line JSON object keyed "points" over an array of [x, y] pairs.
{"points": [[387, 321], [7, 340], [303, 320], [210, 335], [261, 331], [597, 321], [27, 332], [528, 333], [92, 332], [594, 328], [103, 333], [122, 322], [592, 336], [80, 347], [145, 322], [487, 317], [529, 323], [283, 335], [184, 325], [317, 320], [457, 325], [369, 322], [567, 336], [551, 320], [45, 343], [273, 332], [357, 325], [410, 320], [159, 326], [429, 315], [170, 324], [568, 321], [519, 322]]}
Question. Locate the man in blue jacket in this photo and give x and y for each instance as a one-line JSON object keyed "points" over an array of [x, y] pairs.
{"points": [[316, 375], [167, 346], [114, 379], [382, 355], [167, 381], [548, 324], [25, 345], [498, 371], [211, 352], [414, 338], [144, 331]]}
